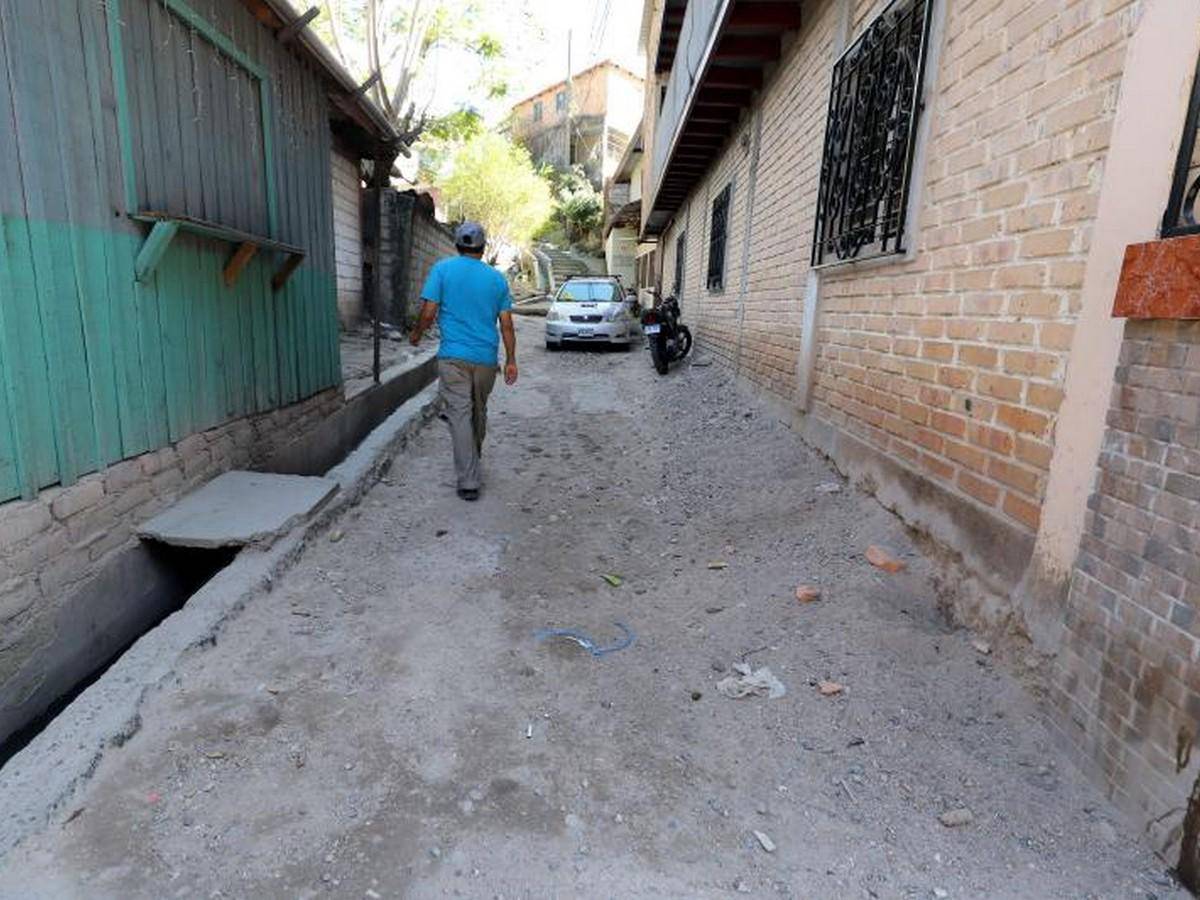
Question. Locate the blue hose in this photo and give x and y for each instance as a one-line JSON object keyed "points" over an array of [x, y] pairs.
{"points": [[586, 642]]}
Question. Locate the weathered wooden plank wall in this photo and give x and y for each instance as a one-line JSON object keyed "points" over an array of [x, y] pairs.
{"points": [[95, 367]]}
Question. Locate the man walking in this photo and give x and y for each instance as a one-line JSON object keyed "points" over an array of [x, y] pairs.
{"points": [[467, 298]]}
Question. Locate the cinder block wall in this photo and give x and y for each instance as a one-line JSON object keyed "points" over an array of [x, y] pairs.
{"points": [[409, 227], [1127, 680], [431, 241], [52, 546]]}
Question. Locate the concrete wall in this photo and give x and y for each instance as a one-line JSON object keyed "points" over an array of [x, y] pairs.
{"points": [[347, 239], [1127, 680]]}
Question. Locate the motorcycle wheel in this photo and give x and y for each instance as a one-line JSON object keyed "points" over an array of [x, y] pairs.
{"points": [[684, 342], [658, 353]]}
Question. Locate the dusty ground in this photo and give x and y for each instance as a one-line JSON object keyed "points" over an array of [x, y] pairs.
{"points": [[384, 724]]}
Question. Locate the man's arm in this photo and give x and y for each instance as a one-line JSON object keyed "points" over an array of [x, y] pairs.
{"points": [[425, 320], [509, 334]]}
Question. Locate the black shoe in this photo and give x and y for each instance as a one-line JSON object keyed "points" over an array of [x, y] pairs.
{"points": [[470, 494]]}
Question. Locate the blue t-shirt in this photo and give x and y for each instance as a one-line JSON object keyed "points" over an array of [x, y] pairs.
{"points": [[470, 295]]}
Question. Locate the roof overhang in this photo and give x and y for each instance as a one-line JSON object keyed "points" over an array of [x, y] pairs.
{"points": [[354, 117], [746, 40], [668, 38]]}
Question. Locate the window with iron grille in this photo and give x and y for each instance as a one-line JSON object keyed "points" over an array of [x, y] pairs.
{"points": [[537, 111], [560, 101], [680, 252], [874, 104], [1180, 218], [717, 239]]}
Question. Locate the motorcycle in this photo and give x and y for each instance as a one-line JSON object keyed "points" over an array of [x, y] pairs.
{"points": [[669, 339]]}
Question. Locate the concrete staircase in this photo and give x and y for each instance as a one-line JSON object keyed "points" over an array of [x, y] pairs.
{"points": [[564, 263]]}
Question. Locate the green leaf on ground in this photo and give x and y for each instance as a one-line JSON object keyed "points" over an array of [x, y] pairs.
{"points": [[614, 580]]}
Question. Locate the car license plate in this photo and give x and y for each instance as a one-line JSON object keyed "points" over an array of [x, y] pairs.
{"points": [[652, 329], [586, 332]]}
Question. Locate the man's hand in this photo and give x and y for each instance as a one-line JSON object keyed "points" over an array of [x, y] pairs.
{"points": [[414, 337], [510, 372]]}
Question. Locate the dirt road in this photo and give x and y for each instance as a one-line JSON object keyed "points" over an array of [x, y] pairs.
{"points": [[385, 724]]}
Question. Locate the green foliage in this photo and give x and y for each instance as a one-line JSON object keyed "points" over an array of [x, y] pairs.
{"points": [[492, 181], [578, 214]]}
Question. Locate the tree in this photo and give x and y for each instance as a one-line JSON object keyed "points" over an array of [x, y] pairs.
{"points": [[387, 44], [493, 181]]}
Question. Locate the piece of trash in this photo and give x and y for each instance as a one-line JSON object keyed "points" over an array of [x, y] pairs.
{"points": [[153, 798], [981, 646], [830, 487], [829, 688], [751, 683], [215, 754], [940, 893], [765, 841], [806, 593], [881, 559], [373, 894], [73, 816], [613, 580], [717, 566], [953, 818], [529, 732], [586, 642], [272, 690], [336, 535]]}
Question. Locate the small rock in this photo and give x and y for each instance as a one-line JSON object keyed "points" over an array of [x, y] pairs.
{"points": [[765, 841], [882, 559], [806, 593], [829, 688], [953, 818], [713, 610], [336, 535], [981, 646], [830, 487], [941, 893], [741, 887]]}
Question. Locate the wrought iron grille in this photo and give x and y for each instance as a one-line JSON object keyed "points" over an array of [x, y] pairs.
{"points": [[680, 252], [874, 104], [716, 239], [1181, 208]]}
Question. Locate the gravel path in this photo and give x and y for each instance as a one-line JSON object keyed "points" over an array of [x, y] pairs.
{"points": [[384, 724]]}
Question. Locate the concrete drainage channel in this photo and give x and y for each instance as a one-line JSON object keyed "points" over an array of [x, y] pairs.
{"points": [[183, 598]]}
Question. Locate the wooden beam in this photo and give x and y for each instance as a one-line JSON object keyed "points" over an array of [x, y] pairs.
{"points": [[702, 113], [366, 85], [733, 76], [240, 259], [280, 278], [748, 47], [775, 14], [153, 248], [287, 33], [719, 96]]}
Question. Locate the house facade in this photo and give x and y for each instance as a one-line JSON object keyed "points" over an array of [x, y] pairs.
{"points": [[586, 121], [168, 289], [933, 234]]}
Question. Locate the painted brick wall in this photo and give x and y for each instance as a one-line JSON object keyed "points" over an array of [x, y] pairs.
{"points": [[951, 360], [1127, 680], [347, 239], [52, 545]]}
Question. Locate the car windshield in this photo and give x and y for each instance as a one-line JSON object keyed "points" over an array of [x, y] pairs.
{"points": [[589, 292]]}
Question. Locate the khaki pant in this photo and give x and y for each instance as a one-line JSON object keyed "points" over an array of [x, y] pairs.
{"points": [[464, 389]]}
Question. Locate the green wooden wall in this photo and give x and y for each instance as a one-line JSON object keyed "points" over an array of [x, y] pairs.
{"points": [[112, 108]]}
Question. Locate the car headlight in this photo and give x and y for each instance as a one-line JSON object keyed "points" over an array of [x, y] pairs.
{"points": [[554, 316], [618, 313]]}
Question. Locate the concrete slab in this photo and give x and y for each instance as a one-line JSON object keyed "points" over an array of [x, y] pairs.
{"points": [[239, 508]]}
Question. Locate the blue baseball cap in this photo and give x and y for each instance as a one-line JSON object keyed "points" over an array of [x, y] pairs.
{"points": [[470, 236]]}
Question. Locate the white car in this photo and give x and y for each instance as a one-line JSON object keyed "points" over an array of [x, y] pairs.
{"points": [[591, 309]]}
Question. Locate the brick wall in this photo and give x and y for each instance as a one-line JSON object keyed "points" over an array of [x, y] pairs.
{"points": [[1127, 680], [54, 544], [949, 361]]}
